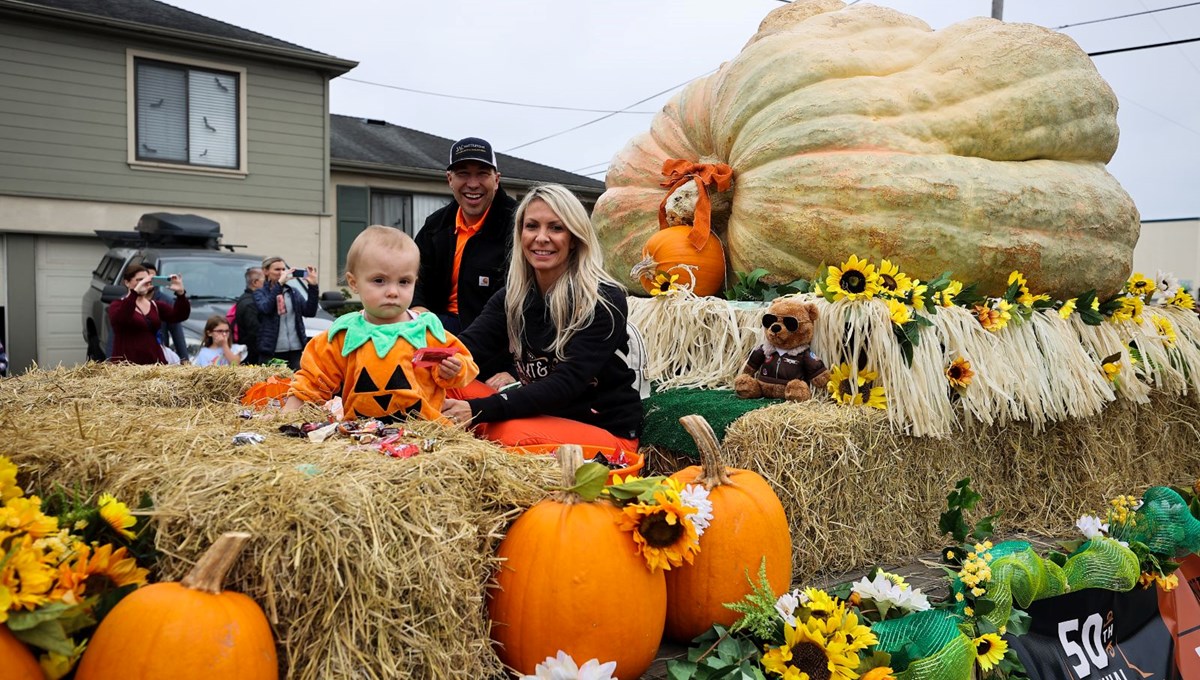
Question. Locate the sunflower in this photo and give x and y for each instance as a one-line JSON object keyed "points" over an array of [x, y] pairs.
{"points": [[26, 576], [96, 569], [989, 649], [917, 294], [1111, 370], [1018, 278], [946, 296], [880, 673], [661, 531], [899, 312], [807, 655], [664, 285], [1139, 285], [876, 397], [1130, 310], [843, 387], [820, 604], [959, 373], [855, 280], [1181, 298], [117, 515], [1067, 308], [8, 480], [25, 514], [892, 280], [841, 628], [1166, 330]]}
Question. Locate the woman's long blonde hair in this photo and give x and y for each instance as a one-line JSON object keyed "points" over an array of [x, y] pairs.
{"points": [[572, 299]]}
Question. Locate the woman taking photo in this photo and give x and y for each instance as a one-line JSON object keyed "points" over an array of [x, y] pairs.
{"points": [[136, 318], [281, 308], [562, 318]]}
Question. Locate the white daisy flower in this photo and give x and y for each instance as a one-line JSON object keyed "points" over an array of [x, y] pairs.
{"points": [[696, 496], [888, 595], [1091, 526], [563, 667], [788, 603]]}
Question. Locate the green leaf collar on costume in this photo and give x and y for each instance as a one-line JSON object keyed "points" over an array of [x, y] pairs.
{"points": [[359, 331]]}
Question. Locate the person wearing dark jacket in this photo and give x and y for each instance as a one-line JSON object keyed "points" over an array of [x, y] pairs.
{"points": [[245, 316], [465, 246], [566, 319], [281, 309], [137, 317]]}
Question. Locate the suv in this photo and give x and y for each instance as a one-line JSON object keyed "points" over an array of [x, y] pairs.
{"points": [[188, 245]]}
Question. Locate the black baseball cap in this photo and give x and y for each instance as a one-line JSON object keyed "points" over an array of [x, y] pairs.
{"points": [[472, 149]]}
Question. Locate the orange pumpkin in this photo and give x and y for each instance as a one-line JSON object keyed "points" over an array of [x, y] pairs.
{"points": [[669, 251], [748, 524], [185, 631], [16, 659], [563, 561]]}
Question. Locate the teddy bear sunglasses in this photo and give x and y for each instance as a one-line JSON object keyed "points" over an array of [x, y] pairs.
{"points": [[789, 322]]}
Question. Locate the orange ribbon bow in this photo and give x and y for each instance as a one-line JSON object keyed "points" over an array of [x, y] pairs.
{"points": [[678, 172]]}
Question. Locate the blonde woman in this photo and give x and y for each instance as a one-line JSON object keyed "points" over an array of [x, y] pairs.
{"points": [[561, 319]]}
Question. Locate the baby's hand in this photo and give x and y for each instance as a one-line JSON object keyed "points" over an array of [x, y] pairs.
{"points": [[449, 367]]}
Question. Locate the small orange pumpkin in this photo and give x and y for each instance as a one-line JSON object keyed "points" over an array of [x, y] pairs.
{"points": [[16, 659], [189, 630], [748, 525], [562, 561], [669, 251]]}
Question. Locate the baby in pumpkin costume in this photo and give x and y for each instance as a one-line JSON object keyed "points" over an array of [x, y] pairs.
{"points": [[370, 358]]}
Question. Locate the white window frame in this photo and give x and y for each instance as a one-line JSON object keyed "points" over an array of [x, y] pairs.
{"points": [[131, 57]]}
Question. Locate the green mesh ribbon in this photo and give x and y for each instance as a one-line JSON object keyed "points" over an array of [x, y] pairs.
{"points": [[1163, 523], [941, 651]]}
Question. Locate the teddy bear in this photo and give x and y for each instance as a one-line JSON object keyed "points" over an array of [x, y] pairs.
{"points": [[783, 366]]}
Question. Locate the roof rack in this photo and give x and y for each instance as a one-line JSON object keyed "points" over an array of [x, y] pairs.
{"points": [[168, 229]]}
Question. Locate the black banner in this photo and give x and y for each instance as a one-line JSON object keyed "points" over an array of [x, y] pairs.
{"points": [[1097, 635]]}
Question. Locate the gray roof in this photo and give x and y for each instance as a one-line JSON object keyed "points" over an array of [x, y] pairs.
{"points": [[153, 16], [365, 144]]}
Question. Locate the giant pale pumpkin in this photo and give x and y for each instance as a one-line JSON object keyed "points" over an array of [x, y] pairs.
{"points": [[190, 630], [748, 526], [16, 660], [979, 148], [570, 579]]}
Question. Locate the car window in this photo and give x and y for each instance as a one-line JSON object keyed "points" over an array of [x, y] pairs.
{"points": [[209, 277]]}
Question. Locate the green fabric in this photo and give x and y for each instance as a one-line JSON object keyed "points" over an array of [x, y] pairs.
{"points": [[1164, 524], [719, 408], [359, 332]]}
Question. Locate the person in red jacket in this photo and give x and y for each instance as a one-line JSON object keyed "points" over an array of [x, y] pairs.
{"points": [[137, 317]]}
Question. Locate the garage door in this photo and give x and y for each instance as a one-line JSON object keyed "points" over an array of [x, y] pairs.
{"points": [[63, 274]]}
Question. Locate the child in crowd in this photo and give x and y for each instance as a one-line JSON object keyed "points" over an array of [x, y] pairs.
{"points": [[376, 359], [217, 348]]}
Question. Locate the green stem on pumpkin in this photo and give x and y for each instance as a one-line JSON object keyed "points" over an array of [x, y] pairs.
{"points": [[712, 471], [208, 576]]}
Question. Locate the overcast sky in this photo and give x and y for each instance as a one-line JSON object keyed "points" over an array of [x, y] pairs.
{"points": [[608, 54]]}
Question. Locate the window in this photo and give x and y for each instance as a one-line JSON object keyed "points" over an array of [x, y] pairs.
{"points": [[405, 211], [187, 114]]}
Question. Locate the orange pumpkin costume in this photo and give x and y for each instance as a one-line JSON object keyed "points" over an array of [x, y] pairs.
{"points": [[372, 366]]}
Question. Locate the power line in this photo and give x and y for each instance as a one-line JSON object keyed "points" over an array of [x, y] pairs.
{"points": [[492, 101], [1126, 16], [590, 166], [610, 115], [1142, 47]]}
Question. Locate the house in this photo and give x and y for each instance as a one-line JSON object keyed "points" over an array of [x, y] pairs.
{"points": [[115, 108], [389, 174], [1171, 246]]}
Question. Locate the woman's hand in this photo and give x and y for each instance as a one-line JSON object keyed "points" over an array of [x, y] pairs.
{"points": [[177, 284], [449, 367], [457, 411], [500, 380], [310, 277], [141, 288]]}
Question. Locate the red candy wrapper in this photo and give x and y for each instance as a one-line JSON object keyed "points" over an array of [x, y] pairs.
{"points": [[432, 356]]}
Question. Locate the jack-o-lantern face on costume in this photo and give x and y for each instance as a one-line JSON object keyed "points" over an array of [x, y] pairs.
{"points": [[383, 390]]}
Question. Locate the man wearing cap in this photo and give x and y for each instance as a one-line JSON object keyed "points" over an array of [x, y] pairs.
{"points": [[465, 246]]}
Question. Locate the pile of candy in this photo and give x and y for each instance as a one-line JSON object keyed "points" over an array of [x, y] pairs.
{"points": [[618, 460], [386, 438]]}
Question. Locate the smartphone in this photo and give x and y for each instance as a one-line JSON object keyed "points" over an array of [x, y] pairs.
{"points": [[299, 273], [160, 280]]}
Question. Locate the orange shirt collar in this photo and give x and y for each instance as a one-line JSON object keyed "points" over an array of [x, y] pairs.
{"points": [[461, 227]]}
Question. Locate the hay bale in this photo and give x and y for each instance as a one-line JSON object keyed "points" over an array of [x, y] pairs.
{"points": [[366, 566], [857, 493]]}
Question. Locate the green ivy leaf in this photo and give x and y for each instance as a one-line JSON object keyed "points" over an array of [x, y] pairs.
{"points": [[1018, 622], [681, 670], [48, 635]]}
